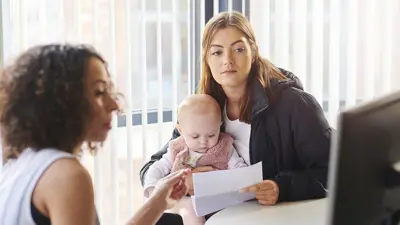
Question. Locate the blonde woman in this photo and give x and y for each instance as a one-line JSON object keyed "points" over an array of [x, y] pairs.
{"points": [[266, 110]]}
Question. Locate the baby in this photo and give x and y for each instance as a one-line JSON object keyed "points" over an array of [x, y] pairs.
{"points": [[200, 144]]}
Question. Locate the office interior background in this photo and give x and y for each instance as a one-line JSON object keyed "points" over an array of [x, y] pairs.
{"points": [[344, 51]]}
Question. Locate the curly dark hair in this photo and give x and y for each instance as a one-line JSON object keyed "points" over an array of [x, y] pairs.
{"points": [[42, 98]]}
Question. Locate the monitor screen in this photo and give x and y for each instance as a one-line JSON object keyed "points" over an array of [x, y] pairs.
{"points": [[363, 186]]}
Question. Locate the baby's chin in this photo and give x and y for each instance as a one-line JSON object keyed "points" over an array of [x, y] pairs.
{"points": [[201, 150]]}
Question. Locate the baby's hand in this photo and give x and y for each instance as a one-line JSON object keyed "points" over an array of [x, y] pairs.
{"points": [[179, 160], [181, 156]]}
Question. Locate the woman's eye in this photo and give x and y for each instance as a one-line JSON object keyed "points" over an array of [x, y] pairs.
{"points": [[100, 93], [239, 50], [216, 53]]}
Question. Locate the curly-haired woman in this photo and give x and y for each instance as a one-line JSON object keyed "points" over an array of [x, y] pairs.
{"points": [[53, 99]]}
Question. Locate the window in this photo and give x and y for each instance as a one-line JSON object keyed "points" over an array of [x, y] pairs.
{"points": [[343, 51]]}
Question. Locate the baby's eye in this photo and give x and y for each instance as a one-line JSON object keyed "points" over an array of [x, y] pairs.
{"points": [[195, 137], [212, 135]]}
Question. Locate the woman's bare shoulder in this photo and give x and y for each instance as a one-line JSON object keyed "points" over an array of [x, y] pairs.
{"points": [[66, 191], [64, 173]]}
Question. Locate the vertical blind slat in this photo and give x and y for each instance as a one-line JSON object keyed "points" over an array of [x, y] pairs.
{"points": [[129, 110], [144, 79], [176, 60], [334, 66], [299, 59], [98, 165], [369, 37], [216, 7], [281, 31], [229, 5], [387, 39], [351, 55], [317, 50], [114, 158], [159, 75]]}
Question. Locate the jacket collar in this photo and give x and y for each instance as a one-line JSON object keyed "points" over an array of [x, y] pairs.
{"points": [[260, 98]]}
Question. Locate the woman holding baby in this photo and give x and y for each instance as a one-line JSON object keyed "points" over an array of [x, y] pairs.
{"points": [[265, 110]]}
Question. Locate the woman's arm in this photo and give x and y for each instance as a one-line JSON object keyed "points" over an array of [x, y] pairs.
{"points": [[168, 191], [149, 213], [65, 194], [311, 139]]}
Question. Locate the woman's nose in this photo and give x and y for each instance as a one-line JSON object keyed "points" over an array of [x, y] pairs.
{"points": [[111, 103], [228, 58]]}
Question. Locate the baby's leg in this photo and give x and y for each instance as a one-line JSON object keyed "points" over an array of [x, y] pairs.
{"points": [[188, 214]]}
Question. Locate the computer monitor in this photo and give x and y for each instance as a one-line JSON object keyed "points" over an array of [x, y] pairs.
{"points": [[363, 185]]}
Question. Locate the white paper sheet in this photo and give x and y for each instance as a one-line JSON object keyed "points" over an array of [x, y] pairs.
{"points": [[217, 190]]}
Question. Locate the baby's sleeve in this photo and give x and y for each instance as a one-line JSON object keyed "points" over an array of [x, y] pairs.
{"points": [[235, 161], [157, 171]]}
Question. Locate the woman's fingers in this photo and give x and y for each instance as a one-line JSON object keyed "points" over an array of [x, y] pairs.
{"points": [[253, 188], [267, 192], [201, 169], [179, 191], [268, 202], [266, 196], [179, 194], [179, 186], [265, 185], [175, 177]]}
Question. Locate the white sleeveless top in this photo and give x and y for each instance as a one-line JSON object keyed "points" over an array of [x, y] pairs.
{"points": [[18, 179]]}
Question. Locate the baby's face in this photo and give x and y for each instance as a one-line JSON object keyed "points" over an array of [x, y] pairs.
{"points": [[200, 131]]}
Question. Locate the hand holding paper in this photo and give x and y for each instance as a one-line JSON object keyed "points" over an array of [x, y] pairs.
{"points": [[189, 178], [217, 190], [267, 192]]}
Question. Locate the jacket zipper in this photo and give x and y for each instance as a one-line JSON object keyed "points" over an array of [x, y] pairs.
{"points": [[262, 109], [251, 134]]}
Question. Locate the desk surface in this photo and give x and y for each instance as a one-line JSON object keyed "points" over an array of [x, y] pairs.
{"points": [[311, 212]]}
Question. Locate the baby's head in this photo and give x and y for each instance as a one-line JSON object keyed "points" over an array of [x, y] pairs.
{"points": [[199, 119]]}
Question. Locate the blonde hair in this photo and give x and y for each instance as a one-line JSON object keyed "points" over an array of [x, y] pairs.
{"points": [[261, 68], [198, 103]]}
